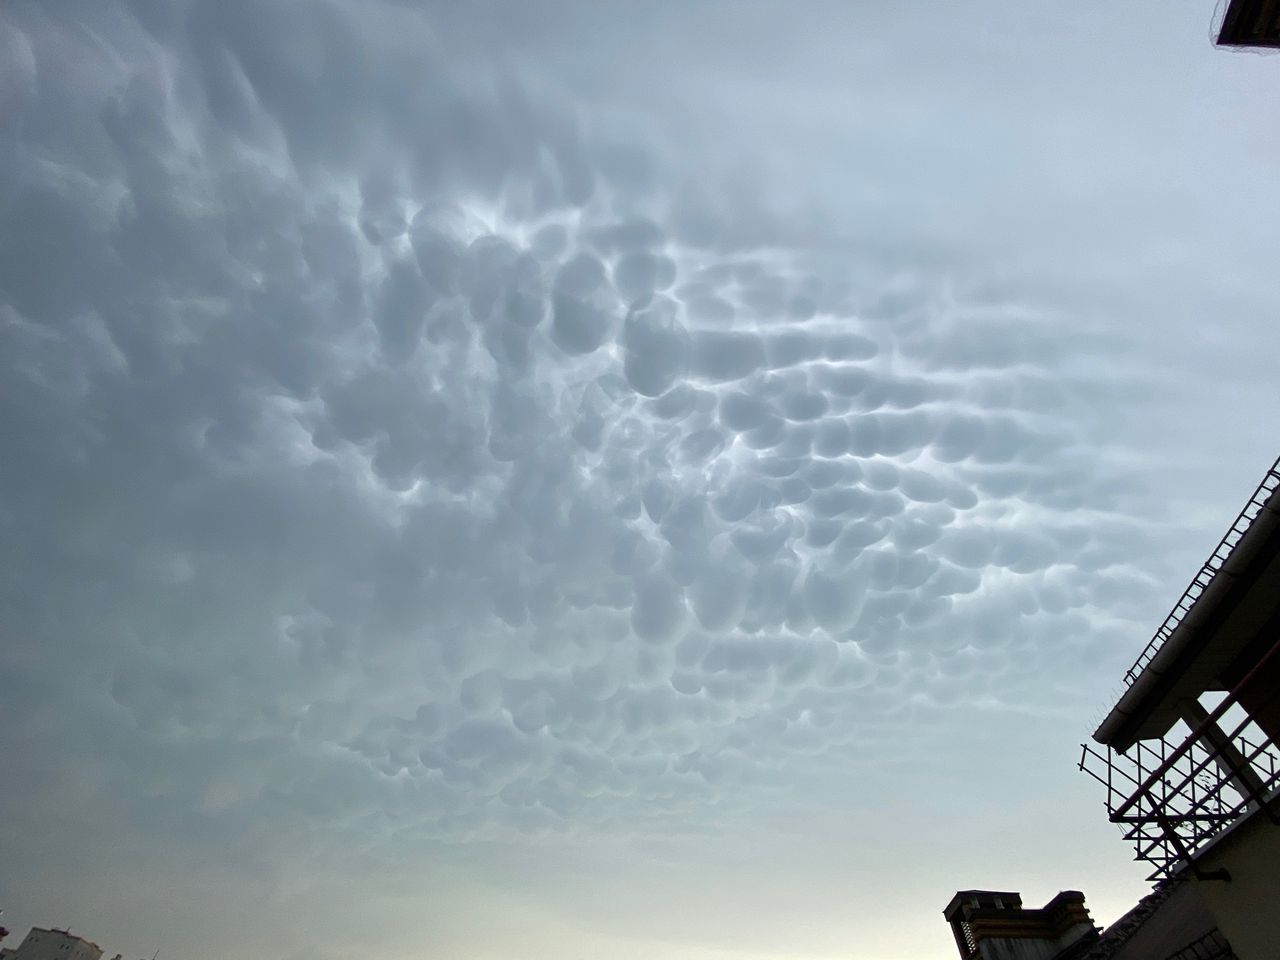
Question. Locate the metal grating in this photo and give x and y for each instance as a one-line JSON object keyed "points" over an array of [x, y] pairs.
{"points": [[1212, 946], [1172, 797], [1207, 572]]}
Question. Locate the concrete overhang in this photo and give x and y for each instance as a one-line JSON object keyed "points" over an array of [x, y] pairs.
{"points": [[1236, 606], [1251, 23]]}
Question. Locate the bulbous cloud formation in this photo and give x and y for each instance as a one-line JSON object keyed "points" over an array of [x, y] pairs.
{"points": [[393, 451]]}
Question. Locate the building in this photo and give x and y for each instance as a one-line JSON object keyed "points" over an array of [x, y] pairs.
{"points": [[1190, 753], [993, 925], [41, 944], [1189, 756], [1251, 23]]}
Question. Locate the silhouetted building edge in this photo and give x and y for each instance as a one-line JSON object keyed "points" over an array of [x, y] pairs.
{"points": [[1251, 23], [1191, 751]]}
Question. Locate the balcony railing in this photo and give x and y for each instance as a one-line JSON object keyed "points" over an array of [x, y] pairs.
{"points": [[1211, 566], [1212, 946], [1173, 797]]}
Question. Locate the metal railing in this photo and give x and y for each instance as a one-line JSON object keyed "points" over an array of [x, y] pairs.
{"points": [[1212, 946], [1173, 798], [1207, 572]]}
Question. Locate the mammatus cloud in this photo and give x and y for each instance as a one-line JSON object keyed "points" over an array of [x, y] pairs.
{"points": [[383, 454], [433, 491]]}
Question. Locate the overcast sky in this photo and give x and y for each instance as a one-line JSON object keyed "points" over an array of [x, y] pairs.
{"points": [[603, 480]]}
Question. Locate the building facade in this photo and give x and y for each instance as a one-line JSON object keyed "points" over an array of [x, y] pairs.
{"points": [[1189, 757], [1190, 753], [42, 944], [1251, 23], [993, 925]]}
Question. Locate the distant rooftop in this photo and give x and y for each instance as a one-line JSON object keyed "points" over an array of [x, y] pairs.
{"points": [[65, 932], [1251, 23]]}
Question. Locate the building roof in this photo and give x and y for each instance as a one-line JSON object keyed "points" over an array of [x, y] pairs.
{"points": [[1232, 602], [1251, 23], [64, 933], [965, 897], [1120, 932], [982, 916], [1171, 922]]}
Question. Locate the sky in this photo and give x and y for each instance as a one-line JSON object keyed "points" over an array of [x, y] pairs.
{"points": [[491, 481]]}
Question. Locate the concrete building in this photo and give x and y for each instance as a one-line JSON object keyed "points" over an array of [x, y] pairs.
{"points": [[1189, 756], [1170, 923], [1251, 23], [41, 944], [1190, 753], [993, 925]]}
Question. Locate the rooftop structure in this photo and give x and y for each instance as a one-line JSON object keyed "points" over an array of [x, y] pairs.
{"points": [[993, 925], [42, 944], [1190, 754], [1251, 23]]}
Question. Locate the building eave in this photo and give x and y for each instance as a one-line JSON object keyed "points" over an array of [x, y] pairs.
{"points": [[1242, 598]]}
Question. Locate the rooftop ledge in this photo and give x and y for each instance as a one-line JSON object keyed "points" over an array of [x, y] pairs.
{"points": [[1232, 600]]}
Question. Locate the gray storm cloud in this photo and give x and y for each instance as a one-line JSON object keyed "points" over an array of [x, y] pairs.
{"points": [[370, 429], [398, 448]]}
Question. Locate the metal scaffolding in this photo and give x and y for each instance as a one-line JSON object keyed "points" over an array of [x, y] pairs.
{"points": [[1173, 796]]}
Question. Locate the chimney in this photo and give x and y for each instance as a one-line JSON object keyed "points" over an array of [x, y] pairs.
{"points": [[992, 925]]}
